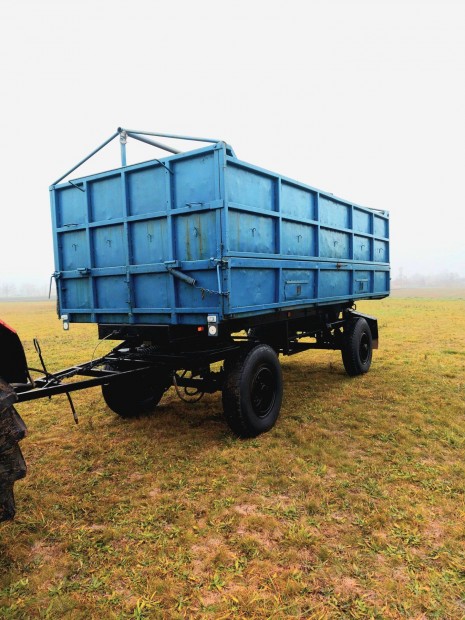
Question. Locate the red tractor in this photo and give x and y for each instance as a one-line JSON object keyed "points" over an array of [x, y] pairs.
{"points": [[13, 369]]}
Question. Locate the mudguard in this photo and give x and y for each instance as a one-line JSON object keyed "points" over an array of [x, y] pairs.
{"points": [[372, 323], [13, 365]]}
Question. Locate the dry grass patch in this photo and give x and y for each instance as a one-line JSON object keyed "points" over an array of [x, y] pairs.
{"points": [[352, 507]]}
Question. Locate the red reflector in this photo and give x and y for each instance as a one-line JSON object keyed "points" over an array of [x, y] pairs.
{"points": [[200, 328]]}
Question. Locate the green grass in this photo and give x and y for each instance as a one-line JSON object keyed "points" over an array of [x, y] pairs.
{"points": [[351, 507]]}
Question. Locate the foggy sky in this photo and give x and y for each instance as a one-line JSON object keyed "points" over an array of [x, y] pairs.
{"points": [[363, 99]]}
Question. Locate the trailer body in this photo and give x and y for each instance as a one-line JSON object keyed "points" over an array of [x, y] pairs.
{"points": [[166, 253], [177, 256], [202, 233]]}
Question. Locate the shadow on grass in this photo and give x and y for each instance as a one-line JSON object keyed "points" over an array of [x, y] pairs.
{"points": [[204, 421]]}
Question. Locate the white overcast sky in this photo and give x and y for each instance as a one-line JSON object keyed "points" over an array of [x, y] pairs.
{"points": [[362, 98]]}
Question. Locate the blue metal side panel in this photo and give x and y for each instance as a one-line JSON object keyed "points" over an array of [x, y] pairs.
{"points": [[76, 294], [195, 236], [106, 198], [251, 232], [108, 243], [252, 286], [334, 243], [73, 249], [149, 241], [298, 239], [297, 201], [144, 190], [292, 246], [247, 187], [71, 207], [194, 180], [361, 221]]}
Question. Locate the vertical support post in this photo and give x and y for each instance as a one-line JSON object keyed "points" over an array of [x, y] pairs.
{"points": [[56, 223], [123, 138], [92, 289], [171, 230], [278, 220], [127, 233], [221, 194], [371, 256], [351, 249], [316, 217], [279, 284]]}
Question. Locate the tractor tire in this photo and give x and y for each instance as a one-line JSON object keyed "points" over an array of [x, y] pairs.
{"points": [[12, 465]]}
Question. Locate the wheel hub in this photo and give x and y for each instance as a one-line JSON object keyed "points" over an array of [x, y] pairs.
{"points": [[364, 348], [263, 391]]}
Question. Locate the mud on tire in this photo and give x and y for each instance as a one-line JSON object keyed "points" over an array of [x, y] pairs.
{"points": [[12, 465], [357, 347]]}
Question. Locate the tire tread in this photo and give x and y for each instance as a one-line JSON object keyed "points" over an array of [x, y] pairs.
{"points": [[235, 414], [350, 346]]}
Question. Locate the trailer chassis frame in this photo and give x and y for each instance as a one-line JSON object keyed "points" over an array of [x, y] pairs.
{"points": [[131, 360]]}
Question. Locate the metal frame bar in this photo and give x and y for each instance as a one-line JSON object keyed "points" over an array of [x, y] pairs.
{"points": [[65, 388], [137, 135], [51, 383], [153, 143], [99, 148], [171, 135]]}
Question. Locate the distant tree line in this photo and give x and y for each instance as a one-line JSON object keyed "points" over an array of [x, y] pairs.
{"points": [[10, 290], [444, 279]]}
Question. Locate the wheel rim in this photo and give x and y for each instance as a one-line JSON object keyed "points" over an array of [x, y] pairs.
{"points": [[263, 391], [364, 348]]}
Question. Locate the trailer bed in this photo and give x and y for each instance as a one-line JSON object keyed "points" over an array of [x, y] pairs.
{"points": [[171, 241]]}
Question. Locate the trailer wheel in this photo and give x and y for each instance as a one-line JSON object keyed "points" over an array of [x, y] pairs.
{"points": [[131, 397], [253, 391], [357, 347]]}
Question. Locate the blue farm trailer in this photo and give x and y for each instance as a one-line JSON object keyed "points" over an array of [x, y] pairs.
{"points": [[205, 268], [199, 258]]}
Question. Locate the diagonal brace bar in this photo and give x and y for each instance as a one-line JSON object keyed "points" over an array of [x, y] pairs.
{"points": [[159, 145], [172, 135], [88, 157]]}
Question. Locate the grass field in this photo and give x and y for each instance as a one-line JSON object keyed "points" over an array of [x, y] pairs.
{"points": [[353, 506]]}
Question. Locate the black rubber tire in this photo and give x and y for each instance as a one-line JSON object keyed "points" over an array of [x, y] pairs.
{"points": [[130, 397], [253, 391], [12, 465], [357, 347]]}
